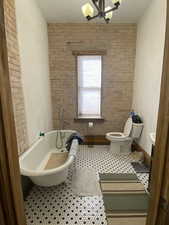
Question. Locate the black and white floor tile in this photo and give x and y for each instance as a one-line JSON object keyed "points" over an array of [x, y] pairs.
{"points": [[58, 205]]}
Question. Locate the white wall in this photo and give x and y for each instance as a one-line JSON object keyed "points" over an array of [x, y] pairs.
{"points": [[33, 45], [149, 60]]}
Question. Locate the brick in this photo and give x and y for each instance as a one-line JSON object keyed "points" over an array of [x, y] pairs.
{"points": [[15, 76], [118, 71]]}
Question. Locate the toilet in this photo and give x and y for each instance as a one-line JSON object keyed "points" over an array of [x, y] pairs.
{"points": [[121, 142]]}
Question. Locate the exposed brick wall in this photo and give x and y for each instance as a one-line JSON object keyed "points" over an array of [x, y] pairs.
{"points": [[118, 71], [15, 75]]}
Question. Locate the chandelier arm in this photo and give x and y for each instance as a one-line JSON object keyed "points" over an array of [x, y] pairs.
{"points": [[95, 4], [100, 5], [113, 9], [103, 5], [93, 17]]}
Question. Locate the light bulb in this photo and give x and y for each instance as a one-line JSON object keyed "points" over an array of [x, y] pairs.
{"points": [[87, 10], [109, 14]]}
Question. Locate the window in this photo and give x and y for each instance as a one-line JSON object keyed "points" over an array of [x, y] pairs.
{"points": [[89, 86]]}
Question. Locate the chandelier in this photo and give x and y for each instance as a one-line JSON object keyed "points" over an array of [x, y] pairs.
{"points": [[102, 10]]}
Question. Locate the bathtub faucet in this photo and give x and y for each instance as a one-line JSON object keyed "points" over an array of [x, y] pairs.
{"points": [[42, 134]]}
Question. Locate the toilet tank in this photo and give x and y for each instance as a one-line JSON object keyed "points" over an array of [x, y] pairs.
{"points": [[136, 130]]}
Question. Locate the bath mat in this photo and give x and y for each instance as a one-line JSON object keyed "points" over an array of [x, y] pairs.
{"points": [[85, 183], [122, 177], [56, 159], [140, 167], [128, 221], [125, 199]]}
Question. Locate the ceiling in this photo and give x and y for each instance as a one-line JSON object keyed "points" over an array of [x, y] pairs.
{"points": [[69, 11]]}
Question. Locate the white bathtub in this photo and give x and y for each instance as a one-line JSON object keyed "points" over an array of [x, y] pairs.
{"points": [[33, 161]]}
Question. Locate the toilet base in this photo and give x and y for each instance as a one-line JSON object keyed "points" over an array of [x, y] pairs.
{"points": [[120, 147]]}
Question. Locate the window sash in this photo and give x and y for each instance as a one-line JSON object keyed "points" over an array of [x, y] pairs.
{"points": [[89, 102], [89, 95], [87, 77]]}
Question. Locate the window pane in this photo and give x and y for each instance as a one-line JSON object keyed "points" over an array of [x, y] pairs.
{"points": [[89, 102], [89, 71], [89, 85]]}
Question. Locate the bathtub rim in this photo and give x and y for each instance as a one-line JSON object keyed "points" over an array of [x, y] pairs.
{"points": [[24, 154], [33, 173]]}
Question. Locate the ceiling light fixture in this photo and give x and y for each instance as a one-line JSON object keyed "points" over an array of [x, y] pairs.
{"points": [[102, 10]]}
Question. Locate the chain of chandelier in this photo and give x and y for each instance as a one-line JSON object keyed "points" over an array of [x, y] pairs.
{"points": [[103, 11]]}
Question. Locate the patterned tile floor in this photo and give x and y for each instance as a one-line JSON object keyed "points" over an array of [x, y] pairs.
{"points": [[58, 205]]}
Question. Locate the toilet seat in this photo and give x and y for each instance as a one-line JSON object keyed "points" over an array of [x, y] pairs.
{"points": [[117, 136]]}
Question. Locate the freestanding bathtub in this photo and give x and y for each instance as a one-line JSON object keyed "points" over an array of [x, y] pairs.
{"points": [[33, 161]]}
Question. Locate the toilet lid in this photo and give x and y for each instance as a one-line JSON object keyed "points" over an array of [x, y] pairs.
{"points": [[128, 127]]}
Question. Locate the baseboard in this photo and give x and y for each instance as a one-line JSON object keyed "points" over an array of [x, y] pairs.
{"points": [[95, 140], [138, 148]]}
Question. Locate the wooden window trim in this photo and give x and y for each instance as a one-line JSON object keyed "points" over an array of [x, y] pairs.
{"points": [[89, 119], [89, 52]]}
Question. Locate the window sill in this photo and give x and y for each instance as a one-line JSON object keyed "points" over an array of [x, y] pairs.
{"points": [[89, 119]]}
